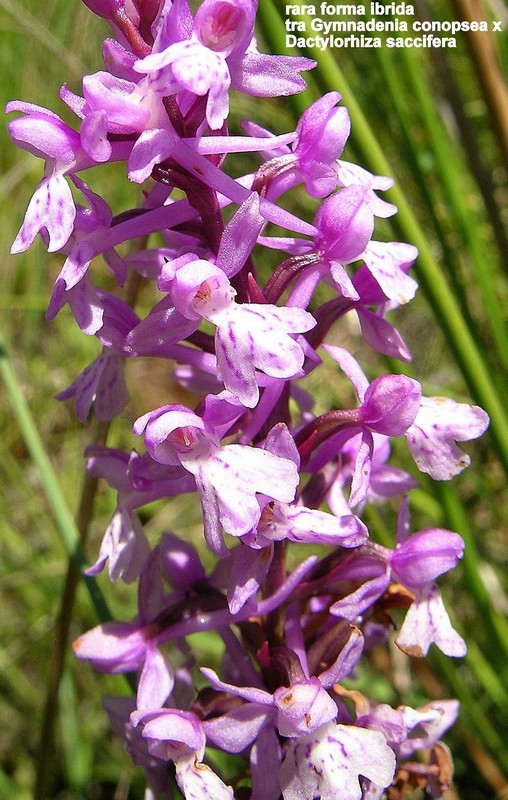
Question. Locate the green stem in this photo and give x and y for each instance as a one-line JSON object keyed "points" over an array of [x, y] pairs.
{"points": [[450, 173], [451, 256], [45, 752]]}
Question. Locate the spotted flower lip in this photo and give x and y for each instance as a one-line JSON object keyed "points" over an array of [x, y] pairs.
{"points": [[439, 424], [174, 434], [332, 759]]}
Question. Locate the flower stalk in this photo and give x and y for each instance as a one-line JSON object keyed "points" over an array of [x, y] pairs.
{"points": [[267, 472]]}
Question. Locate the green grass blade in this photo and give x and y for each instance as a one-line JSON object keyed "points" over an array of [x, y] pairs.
{"points": [[78, 755], [451, 170], [495, 623], [472, 715], [59, 508], [396, 92], [487, 676]]}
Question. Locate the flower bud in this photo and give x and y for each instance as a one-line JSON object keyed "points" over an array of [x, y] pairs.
{"points": [[391, 404], [104, 8]]}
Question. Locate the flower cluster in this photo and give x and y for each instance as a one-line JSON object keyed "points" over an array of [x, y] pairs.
{"points": [[268, 472]]}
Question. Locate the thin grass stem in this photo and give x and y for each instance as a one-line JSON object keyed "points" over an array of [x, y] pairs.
{"points": [[45, 752], [60, 510]]}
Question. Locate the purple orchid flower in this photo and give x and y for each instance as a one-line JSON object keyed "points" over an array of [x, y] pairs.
{"points": [[51, 208], [321, 134], [388, 406], [208, 54], [174, 434], [175, 735], [249, 336], [416, 562]]}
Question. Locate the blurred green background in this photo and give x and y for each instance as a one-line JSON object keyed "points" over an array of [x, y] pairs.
{"points": [[437, 121]]}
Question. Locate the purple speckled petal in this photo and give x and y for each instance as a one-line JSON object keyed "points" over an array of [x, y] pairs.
{"points": [[198, 782], [228, 483], [268, 76], [427, 724], [386, 261], [126, 547], [265, 759], [329, 762], [52, 208], [258, 336], [441, 422], [427, 621]]}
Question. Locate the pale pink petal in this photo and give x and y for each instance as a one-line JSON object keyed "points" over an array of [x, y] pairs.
{"points": [[51, 208], [237, 729], [198, 782], [328, 763], [441, 422], [427, 621], [126, 547], [151, 148], [155, 682], [385, 261]]}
